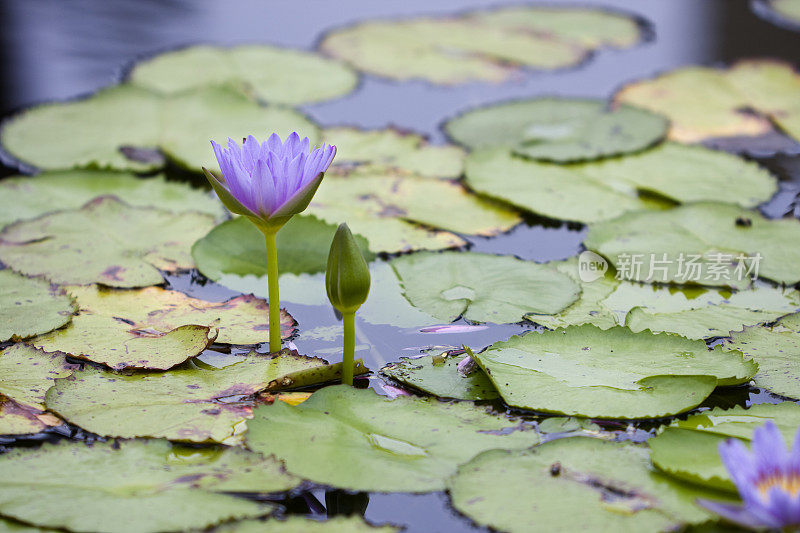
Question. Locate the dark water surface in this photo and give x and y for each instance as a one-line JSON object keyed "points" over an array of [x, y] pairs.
{"points": [[55, 49]]}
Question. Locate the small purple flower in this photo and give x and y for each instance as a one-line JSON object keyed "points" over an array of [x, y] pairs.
{"points": [[272, 181], [768, 480]]}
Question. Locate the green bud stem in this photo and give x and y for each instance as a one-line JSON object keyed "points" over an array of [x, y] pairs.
{"points": [[349, 351], [274, 299]]}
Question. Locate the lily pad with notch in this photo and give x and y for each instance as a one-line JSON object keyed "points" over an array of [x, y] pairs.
{"points": [[30, 306]]}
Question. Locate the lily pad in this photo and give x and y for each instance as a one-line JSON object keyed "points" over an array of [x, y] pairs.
{"points": [[560, 130], [30, 307], [106, 241], [693, 312], [155, 485], [299, 524], [395, 149], [23, 197], [197, 404], [16, 419], [438, 375], [689, 449], [237, 247], [703, 103], [613, 373], [489, 46], [776, 349], [28, 373], [574, 484], [704, 243], [103, 130], [402, 445], [270, 73], [482, 287], [596, 191], [390, 208], [784, 13], [156, 328]]}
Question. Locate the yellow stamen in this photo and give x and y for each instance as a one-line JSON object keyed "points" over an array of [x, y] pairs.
{"points": [[786, 481]]}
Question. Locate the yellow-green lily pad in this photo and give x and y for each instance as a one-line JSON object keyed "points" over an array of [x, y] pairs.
{"points": [[30, 306]]}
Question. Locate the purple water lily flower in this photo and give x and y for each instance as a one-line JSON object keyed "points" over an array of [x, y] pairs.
{"points": [[269, 182], [768, 480]]}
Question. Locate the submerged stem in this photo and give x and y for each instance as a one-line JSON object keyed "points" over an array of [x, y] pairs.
{"points": [[348, 353], [274, 299]]}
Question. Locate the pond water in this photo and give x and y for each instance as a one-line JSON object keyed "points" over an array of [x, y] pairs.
{"points": [[55, 50]]}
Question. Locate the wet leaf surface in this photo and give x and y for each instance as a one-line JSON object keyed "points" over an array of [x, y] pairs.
{"points": [[614, 373], [482, 287], [574, 484], [251, 68], [719, 233], [195, 403], [559, 130], [491, 46], [168, 487], [688, 449], [30, 306], [406, 444], [106, 241], [597, 191]]}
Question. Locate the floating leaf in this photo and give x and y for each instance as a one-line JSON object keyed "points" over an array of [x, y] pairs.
{"points": [[156, 328], [28, 373], [402, 445], [237, 247], [614, 373], [191, 404], [30, 307], [26, 197], [106, 241], [438, 375], [693, 312], [482, 287], [136, 486], [689, 449], [706, 102], [299, 524], [16, 419], [394, 149], [490, 45], [388, 209], [596, 191], [574, 484], [776, 349], [562, 130], [103, 130], [723, 242], [272, 74]]}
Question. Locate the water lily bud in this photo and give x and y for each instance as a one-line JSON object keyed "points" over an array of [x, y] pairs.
{"points": [[347, 279]]}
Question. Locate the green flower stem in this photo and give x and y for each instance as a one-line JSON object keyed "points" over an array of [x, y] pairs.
{"points": [[274, 298], [348, 354]]}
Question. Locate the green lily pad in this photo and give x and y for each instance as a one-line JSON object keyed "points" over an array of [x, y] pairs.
{"points": [[299, 524], [574, 484], [402, 445], [710, 236], [16, 419], [395, 149], [271, 74], [776, 349], [689, 449], [482, 287], [489, 45], [23, 197], [702, 103], [123, 127], [237, 247], [561, 130], [30, 307], [28, 373], [693, 312], [597, 191], [389, 209], [438, 375], [196, 404], [613, 373], [154, 485], [106, 241], [156, 328]]}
